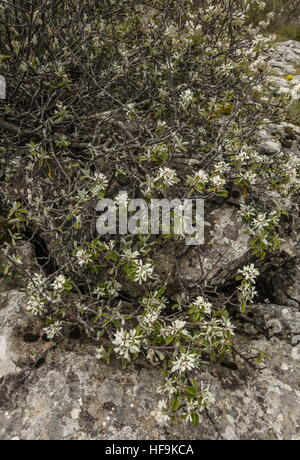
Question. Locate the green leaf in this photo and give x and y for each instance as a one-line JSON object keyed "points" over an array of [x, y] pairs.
{"points": [[68, 287], [169, 340], [191, 391], [195, 419], [243, 307], [222, 193], [175, 404]]}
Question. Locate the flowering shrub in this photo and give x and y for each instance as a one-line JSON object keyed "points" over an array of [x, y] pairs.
{"points": [[283, 12], [161, 100]]}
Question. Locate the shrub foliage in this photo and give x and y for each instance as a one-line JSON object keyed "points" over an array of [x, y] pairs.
{"points": [[160, 99]]}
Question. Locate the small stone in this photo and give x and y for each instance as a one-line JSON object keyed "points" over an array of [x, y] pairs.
{"points": [[75, 414], [250, 329]]}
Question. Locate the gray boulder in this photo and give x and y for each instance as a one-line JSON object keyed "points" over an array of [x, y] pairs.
{"points": [[226, 247]]}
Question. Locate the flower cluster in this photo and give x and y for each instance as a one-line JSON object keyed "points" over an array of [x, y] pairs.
{"points": [[184, 362], [247, 291], [166, 177], [140, 271], [59, 283], [100, 185], [161, 413], [53, 330], [203, 305], [37, 295], [83, 257], [186, 98], [126, 343], [263, 228]]}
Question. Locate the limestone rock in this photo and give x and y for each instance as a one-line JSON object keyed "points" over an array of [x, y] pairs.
{"points": [[286, 86], [267, 144], [285, 57], [226, 246], [28, 262], [20, 334], [284, 280], [285, 61], [73, 396]]}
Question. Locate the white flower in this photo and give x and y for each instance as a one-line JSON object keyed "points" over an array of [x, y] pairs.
{"points": [[109, 246], [243, 156], [166, 177], [192, 407], [161, 413], [100, 184], [155, 302], [101, 179], [38, 282], [149, 319], [228, 326], [247, 292], [201, 176], [261, 222], [216, 329], [142, 271], [221, 167], [127, 342], [178, 327], [203, 305], [100, 353], [249, 272], [59, 283], [37, 295], [35, 306], [130, 255], [53, 330], [83, 258], [186, 98], [161, 124], [122, 199], [247, 211], [166, 331], [109, 289], [185, 362], [168, 387], [207, 397], [218, 181], [178, 324], [250, 177]]}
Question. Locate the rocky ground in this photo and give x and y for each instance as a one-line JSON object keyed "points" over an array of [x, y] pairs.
{"points": [[61, 392]]}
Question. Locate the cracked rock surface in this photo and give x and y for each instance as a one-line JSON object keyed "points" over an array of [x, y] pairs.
{"points": [[69, 395]]}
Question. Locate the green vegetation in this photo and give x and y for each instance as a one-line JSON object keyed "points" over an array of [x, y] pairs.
{"points": [[283, 17], [162, 99], [286, 32]]}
